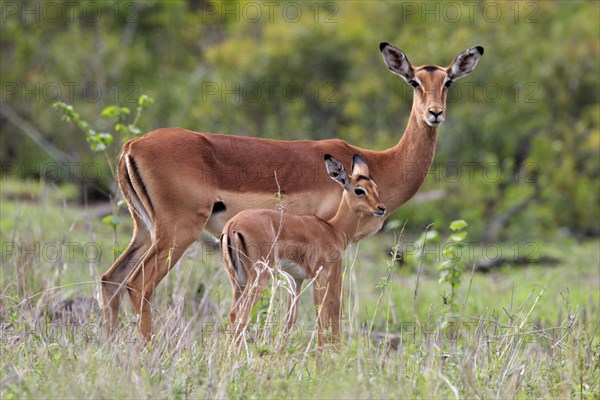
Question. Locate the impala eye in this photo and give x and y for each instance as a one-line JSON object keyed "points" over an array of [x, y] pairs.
{"points": [[448, 83], [359, 192], [414, 83]]}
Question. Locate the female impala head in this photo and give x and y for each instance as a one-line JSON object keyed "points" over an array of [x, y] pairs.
{"points": [[430, 82], [360, 191]]}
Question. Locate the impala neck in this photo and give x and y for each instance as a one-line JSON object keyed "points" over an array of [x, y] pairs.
{"points": [[345, 222], [406, 165]]}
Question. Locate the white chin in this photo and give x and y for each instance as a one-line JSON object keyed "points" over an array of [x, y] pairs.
{"points": [[432, 124]]}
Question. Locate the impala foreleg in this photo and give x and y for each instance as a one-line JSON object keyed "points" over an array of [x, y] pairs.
{"points": [[327, 295]]}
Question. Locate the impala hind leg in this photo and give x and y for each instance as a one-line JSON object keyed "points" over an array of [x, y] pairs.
{"points": [[237, 287], [167, 249], [115, 277], [257, 281], [237, 290]]}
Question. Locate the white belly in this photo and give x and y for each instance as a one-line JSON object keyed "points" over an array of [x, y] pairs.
{"points": [[291, 268]]}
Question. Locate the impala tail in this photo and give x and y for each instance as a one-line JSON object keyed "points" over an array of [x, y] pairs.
{"points": [[134, 191], [233, 248]]}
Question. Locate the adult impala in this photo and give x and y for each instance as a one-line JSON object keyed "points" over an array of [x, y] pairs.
{"points": [[178, 183], [303, 246]]}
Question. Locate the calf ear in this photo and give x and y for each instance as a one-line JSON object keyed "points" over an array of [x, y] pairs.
{"points": [[464, 63], [335, 169], [396, 61], [359, 166]]}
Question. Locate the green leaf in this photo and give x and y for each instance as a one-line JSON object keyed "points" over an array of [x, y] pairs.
{"points": [[449, 252], [110, 111], [115, 112], [105, 138], [97, 147], [452, 247], [112, 220], [447, 265], [121, 128], [134, 129], [458, 225], [443, 276], [145, 100], [459, 236]]}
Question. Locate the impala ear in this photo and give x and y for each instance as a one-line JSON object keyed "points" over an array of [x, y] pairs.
{"points": [[359, 166], [335, 169], [464, 63], [396, 61]]}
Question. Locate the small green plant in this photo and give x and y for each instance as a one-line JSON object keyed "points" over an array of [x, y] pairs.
{"points": [[100, 141], [452, 268]]}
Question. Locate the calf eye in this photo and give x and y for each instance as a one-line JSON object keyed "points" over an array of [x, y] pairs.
{"points": [[414, 84], [359, 192], [448, 84]]}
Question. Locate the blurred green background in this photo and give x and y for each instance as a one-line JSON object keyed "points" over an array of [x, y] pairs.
{"points": [[518, 156]]}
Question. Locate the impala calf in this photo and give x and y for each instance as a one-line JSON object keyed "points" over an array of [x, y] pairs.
{"points": [[177, 183], [304, 246]]}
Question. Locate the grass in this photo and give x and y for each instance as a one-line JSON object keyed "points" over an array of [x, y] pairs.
{"points": [[524, 332]]}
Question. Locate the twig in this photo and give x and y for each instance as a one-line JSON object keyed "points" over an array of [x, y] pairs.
{"points": [[33, 133], [468, 289], [419, 271]]}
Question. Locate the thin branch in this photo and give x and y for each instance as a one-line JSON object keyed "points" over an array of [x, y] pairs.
{"points": [[498, 222], [419, 272], [33, 133]]}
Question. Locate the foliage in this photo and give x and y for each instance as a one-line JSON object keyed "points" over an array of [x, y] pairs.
{"points": [[428, 250], [520, 147], [100, 142], [452, 268]]}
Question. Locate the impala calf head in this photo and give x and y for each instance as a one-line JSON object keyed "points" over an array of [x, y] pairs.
{"points": [[430, 82], [360, 191]]}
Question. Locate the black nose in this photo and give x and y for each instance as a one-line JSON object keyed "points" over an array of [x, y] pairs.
{"points": [[435, 114], [381, 210]]}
